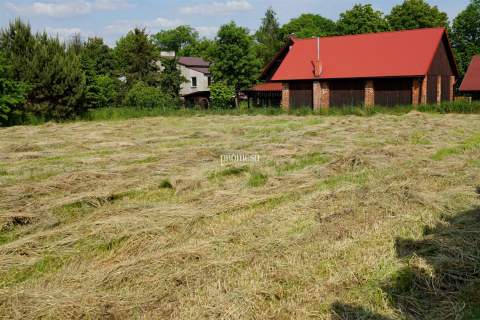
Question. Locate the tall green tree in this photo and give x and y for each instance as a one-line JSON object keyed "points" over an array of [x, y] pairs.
{"points": [[171, 78], [466, 34], [204, 48], [137, 57], [12, 94], [362, 19], [235, 62], [97, 58], [54, 74], [57, 80], [19, 45], [99, 65], [175, 39], [309, 25], [416, 14], [268, 36]]}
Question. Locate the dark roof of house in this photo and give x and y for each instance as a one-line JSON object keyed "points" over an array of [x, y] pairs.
{"points": [[384, 54], [471, 82], [195, 63]]}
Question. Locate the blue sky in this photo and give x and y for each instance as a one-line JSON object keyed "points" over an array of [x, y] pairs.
{"points": [[112, 18]]}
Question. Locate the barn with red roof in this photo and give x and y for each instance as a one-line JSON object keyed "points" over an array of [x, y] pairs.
{"points": [[387, 68], [471, 81]]}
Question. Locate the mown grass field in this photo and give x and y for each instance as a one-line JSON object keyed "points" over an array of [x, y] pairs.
{"points": [[343, 217]]}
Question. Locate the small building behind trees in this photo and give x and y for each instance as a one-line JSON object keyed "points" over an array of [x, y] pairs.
{"points": [[388, 68], [196, 89], [471, 82]]}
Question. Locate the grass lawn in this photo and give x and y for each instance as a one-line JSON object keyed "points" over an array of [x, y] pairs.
{"points": [[342, 217]]}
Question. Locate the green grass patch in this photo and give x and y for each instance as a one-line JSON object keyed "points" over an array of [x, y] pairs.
{"points": [[419, 138], [47, 264], [3, 172], [469, 144], [73, 211], [111, 244], [359, 179], [257, 179], [304, 161], [165, 184], [230, 171], [7, 236], [145, 160], [155, 194]]}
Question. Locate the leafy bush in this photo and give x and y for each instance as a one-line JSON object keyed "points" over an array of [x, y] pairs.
{"points": [[222, 95], [102, 92], [143, 96]]}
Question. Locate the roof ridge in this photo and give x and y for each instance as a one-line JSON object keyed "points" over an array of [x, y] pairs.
{"points": [[372, 33]]}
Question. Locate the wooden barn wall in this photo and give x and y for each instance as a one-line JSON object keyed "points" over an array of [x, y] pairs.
{"points": [[301, 94], [347, 92], [392, 92], [432, 89], [441, 66]]}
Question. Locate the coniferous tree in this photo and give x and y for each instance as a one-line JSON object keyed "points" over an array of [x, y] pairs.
{"points": [[12, 94], [268, 36], [57, 79], [54, 75], [137, 58]]}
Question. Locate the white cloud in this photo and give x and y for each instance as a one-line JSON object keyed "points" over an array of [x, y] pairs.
{"points": [[51, 9], [208, 32], [164, 23], [121, 27], [64, 33], [214, 8], [67, 8], [111, 4]]}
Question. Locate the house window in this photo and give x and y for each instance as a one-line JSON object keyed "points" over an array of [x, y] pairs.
{"points": [[209, 81], [194, 82]]}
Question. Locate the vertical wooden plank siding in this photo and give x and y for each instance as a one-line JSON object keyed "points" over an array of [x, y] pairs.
{"points": [[432, 89], [348, 92], [393, 92], [440, 73], [301, 94], [446, 88]]}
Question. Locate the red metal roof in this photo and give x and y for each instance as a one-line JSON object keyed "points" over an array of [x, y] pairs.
{"points": [[471, 82], [385, 54], [267, 86]]}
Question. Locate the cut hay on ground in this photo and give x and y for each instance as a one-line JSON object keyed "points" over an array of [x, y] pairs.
{"points": [[343, 217]]}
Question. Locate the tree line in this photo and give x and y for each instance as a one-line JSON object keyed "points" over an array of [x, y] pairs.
{"points": [[44, 77]]}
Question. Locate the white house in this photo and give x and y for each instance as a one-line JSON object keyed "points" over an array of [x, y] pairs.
{"points": [[196, 90]]}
